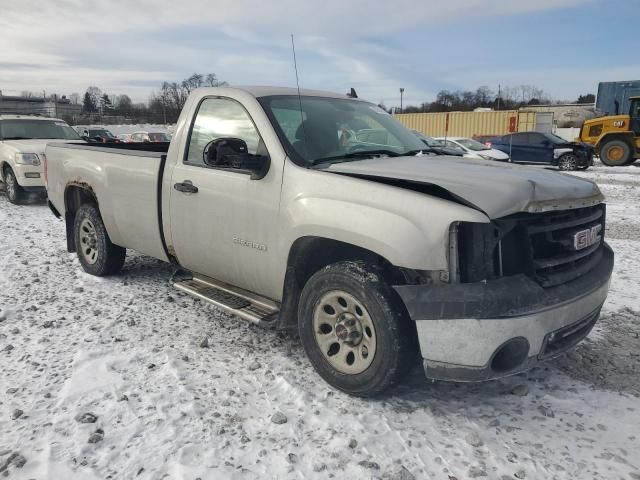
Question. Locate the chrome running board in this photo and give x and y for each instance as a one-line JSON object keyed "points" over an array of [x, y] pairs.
{"points": [[239, 302]]}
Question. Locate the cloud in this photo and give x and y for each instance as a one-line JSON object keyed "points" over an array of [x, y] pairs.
{"points": [[124, 46]]}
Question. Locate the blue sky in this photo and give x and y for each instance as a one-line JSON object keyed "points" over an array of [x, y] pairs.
{"points": [[564, 47]]}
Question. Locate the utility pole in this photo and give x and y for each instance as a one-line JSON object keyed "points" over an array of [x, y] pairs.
{"points": [[401, 93], [498, 97]]}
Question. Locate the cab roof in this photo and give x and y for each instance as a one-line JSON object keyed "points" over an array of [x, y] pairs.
{"points": [[266, 91]]}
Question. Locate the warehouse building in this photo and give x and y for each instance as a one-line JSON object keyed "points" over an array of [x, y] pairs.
{"points": [[53, 106]]}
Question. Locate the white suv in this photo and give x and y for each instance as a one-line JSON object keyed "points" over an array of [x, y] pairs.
{"points": [[22, 142]]}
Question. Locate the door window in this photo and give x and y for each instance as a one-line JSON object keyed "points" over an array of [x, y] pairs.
{"points": [[537, 139], [218, 118], [519, 139]]}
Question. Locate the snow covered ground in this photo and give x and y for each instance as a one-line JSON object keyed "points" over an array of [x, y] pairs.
{"points": [[127, 350]]}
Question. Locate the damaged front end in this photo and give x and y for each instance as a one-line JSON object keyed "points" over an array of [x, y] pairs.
{"points": [[522, 288], [541, 246]]}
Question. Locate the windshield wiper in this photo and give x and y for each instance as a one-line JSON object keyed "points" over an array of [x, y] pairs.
{"points": [[17, 138], [362, 154]]}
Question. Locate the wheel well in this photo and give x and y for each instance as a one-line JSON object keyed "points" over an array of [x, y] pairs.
{"points": [[74, 197], [3, 168], [309, 255]]}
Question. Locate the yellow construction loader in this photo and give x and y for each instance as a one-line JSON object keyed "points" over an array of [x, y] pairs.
{"points": [[616, 138]]}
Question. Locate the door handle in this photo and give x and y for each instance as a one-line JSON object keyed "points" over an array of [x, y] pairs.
{"points": [[186, 187]]}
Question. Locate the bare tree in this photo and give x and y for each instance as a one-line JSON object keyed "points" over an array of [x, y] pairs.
{"points": [[194, 81], [211, 80]]}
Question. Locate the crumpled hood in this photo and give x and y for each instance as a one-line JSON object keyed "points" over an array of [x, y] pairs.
{"points": [[497, 189]]}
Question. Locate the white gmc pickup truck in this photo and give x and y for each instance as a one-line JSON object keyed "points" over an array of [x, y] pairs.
{"points": [[323, 214], [23, 139]]}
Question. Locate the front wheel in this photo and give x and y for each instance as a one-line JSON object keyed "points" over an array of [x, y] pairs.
{"points": [[97, 254], [15, 193], [355, 330], [568, 161], [615, 153]]}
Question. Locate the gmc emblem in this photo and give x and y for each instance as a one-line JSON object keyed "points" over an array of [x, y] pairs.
{"points": [[586, 238]]}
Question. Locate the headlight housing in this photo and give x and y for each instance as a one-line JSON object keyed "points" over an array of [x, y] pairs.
{"points": [[486, 157], [27, 159]]}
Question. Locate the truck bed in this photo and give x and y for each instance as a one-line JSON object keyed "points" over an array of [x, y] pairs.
{"points": [[125, 180]]}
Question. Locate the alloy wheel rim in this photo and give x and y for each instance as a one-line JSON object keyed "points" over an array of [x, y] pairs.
{"points": [[344, 332], [570, 162], [88, 241]]}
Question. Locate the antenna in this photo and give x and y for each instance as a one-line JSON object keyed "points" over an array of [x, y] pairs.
{"points": [[295, 66]]}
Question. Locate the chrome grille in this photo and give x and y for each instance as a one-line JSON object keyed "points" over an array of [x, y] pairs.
{"points": [[565, 245]]}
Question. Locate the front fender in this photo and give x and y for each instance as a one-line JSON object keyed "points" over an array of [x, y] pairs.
{"points": [[407, 228]]}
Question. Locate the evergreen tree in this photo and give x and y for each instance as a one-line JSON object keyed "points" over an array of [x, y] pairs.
{"points": [[88, 104]]}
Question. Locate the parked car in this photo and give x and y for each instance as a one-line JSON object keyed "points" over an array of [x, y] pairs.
{"points": [[437, 147], [473, 149], [149, 137], [366, 249], [97, 135], [545, 149], [22, 145]]}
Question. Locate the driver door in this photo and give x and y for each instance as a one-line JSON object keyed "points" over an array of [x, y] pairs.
{"points": [[226, 226]]}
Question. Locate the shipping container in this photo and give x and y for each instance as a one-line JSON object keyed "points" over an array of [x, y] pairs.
{"points": [[469, 124], [613, 97]]}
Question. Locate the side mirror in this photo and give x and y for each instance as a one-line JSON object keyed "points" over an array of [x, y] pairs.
{"points": [[229, 152]]}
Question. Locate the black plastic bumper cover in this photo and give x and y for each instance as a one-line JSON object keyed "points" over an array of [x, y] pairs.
{"points": [[502, 298]]}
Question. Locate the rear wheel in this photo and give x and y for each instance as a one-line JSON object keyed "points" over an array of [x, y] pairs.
{"points": [[615, 153], [355, 330], [97, 254], [15, 193], [568, 161]]}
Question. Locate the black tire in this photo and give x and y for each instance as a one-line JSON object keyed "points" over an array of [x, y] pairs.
{"points": [[108, 258], [612, 146], [15, 193], [395, 334], [568, 161]]}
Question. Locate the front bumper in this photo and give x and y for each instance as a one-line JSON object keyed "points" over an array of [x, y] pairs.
{"points": [[30, 177], [485, 330]]}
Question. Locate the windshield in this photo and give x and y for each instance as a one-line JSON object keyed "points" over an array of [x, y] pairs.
{"points": [[36, 129], [336, 129], [472, 144], [556, 139], [100, 133]]}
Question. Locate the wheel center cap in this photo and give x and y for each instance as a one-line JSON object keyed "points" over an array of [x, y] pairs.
{"points": [[342, 332], [348, 329]]}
